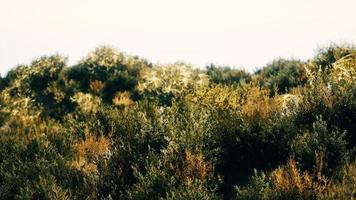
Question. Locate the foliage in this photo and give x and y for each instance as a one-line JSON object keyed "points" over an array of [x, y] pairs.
{"points": [[345, 187], [286, 182], [258, 188], [114, 126], [105, 72], [226, 75], [282, 74], [327, 56], [329, 143], [166, 83]]}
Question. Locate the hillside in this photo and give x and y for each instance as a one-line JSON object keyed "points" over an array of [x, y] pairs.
{"points": [[116, 126]]}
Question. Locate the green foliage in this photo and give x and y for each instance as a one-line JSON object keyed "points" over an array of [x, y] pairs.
{"points": [[115, 127], [154, 183], [28, 170], [259, 188], [226, 75], [193, 191], [166, 83], [45, 70], [320, 140], [328, 55], [344, 113], [41, 83], [283, 74], [3, 83], [116, 71], [345, 185]]}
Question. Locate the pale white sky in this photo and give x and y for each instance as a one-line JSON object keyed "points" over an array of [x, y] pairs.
{"points": [[240, 33]]}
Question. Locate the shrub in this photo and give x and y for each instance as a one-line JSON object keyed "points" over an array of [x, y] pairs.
{"points": [[328, 55], [259, 188], [286, 182], [115, 127], [282, 74], [344, 187], [169, 82], [106, 71], [331, 144], [28, 171], [226, 75]]}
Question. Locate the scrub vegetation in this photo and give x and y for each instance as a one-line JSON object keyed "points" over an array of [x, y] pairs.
{"points": [[116, 126]]}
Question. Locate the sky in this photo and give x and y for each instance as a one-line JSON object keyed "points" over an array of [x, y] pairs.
{"points": [[239, 33]]}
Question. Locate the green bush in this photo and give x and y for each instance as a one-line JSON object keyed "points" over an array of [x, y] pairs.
{"points": [[114, 126], [226, 75], [282, 74], [259, 188], [320, 140], [29, 170]]}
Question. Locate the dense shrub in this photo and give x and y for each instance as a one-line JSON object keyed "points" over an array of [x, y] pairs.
{"points": [[331, 144], [114, 126], [30, 171], [327, 56], [282, 74], [226, 75]]}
